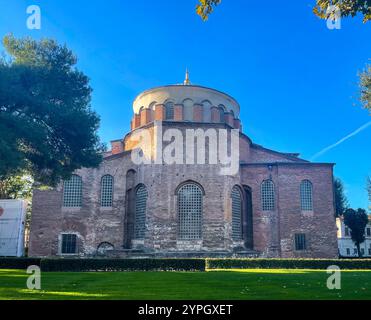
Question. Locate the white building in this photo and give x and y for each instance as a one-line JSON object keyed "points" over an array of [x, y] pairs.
{"points": [[347, 247], [12, 225]]}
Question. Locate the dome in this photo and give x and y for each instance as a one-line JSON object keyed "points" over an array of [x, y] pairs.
{"points": [[185, 95]]}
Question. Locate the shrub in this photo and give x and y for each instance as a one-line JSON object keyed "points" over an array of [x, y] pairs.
{"points": [[122, 265], [287, 263], [18, 263]]}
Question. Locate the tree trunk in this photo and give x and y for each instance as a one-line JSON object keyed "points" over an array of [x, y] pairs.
{"points": [[359, 250]]}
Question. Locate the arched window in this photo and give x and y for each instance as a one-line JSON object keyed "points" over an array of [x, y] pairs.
{"points": [[206, 110], [141, 196], [267, 194], [221, 114], [188, 109], [106, 191], [72, 192], [190, 212], [236, 214], [169, 109], [306, 195], [104, 248]]}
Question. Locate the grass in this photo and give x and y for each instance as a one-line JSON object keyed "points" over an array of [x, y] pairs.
{"points": [[214, 285]]}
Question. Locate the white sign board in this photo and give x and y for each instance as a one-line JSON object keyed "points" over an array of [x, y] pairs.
{"points": [[12, 223]]}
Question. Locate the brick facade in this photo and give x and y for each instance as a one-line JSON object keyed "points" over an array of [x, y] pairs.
{"points": [[265, 233]]}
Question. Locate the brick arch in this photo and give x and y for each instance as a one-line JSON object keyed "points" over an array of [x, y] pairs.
{"points": [[190, 182]]}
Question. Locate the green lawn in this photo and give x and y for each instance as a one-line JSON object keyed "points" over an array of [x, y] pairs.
{"points": [[218, 285]]}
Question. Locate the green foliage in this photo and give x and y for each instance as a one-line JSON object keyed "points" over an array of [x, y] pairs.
{"points": [[83, 265], [321, 264], [206, 7], [356, 221], [365, 84], [122, 264], [47, 127], [16, 187], [341, 202], [19, 263], [347, 8]]}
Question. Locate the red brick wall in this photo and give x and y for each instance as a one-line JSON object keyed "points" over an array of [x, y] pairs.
{"points": [[237, 124], [160, 112], [215, 116], [117, 147], [145, 116], [178, 112], [274, 231], [197, 113], [229, 119]]}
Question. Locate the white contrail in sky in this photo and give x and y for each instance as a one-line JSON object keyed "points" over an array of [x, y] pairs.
{"points": [[323, 151]]}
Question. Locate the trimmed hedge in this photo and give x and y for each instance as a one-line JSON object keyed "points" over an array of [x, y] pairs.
{"points": [[287, 263], [18, 263], [82, 265], [85, 265]]}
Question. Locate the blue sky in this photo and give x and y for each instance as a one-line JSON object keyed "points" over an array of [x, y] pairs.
{"points": [[295, 79]]}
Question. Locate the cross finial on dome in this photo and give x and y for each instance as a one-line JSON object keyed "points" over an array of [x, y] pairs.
{"points": [[186, 81]]}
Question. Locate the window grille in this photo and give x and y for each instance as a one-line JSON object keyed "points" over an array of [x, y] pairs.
{"points": [[306, 195], [69, 244], [190, 212], [72, 192], [140, 212], [300, 242], [267, 194], [106, 198], [169, 109], [236, 214]]}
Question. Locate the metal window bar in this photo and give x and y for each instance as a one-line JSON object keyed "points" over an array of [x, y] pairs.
{"points": [[306, 195], [169, 109], [69, 244], [72, 192], [107, 191], [190, 212], [236, 214], [268, 196], [140, 213], [300, 242]]}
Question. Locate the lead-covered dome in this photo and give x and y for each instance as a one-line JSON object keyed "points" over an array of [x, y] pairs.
{"points": [[185, 103], [187, 95]]}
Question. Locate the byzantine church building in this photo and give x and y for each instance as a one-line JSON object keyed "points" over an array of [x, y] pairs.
{"points": [[275, 204]]}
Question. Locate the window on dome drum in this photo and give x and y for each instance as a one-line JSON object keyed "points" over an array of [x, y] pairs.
{"points": [[306, 195], [236, 214], [169, 110], [300, 242], [348, 252], [72, 192], [140, 212], [69, 244], [267, 194], [368, 232], [190, 212], [106, 191], [221, 115]]}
